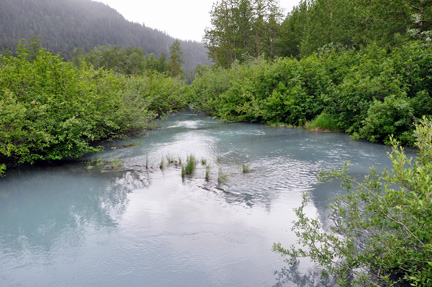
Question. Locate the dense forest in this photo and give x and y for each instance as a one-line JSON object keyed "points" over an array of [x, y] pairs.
{"points": [[64, 25]]}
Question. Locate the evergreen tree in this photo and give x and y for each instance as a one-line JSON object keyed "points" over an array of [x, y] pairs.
{"points": [[292, 31], [242, 29], [175, 59]]}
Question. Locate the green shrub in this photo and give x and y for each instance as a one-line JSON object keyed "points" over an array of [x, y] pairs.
{"points": [[391, 118], [50, 109], [347, 84], [324, 121], [381, 226]]}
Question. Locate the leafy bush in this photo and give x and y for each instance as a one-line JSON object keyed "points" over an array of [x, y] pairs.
{"points": [[392, 118], [382, 232], [324, 121], [350, 85], [50, 109]]}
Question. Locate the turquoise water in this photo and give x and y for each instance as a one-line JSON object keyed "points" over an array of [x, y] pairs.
{"points": [[83, 224]]}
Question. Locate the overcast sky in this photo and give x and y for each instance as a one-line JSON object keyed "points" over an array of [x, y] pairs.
{"points": [[182, 19]]}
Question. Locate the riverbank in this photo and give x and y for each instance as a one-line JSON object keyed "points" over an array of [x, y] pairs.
{"points": [[371, 93], [52, 110]]}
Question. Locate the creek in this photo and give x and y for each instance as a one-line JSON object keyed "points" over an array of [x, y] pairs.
{"points": [[117, 218]]}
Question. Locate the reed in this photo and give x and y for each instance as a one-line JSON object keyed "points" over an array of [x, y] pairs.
{"points": [[116, 163], [245, 168], [222, 177], [170, 159], [162, 164], [207, 173], [190, 166]]}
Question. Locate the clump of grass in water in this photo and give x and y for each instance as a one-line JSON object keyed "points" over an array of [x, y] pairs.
{"points": [[116, 163], [162, 163], [147, 162], [100, 162], [207, 173], [245, 168], [203, 161], [190, 166], [90, 165], [170, 159], [222, 177]]}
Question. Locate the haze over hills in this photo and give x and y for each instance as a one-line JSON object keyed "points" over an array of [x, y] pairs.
{"points": [[65, 25]]}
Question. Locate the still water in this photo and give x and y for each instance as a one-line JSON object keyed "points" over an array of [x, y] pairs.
{"points": [[85, 223]]}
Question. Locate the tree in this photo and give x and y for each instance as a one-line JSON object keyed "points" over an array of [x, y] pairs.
{"points": [[329, 21], [266, 24], [230, 32], [34, 46], [175, 59], [382, 232], [292, 31], [241, 30], [382, 20]]}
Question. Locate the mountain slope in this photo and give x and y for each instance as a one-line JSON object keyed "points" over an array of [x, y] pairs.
{"points": [[67, 24]]}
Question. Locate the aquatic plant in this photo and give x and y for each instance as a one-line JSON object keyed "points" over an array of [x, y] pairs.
{"points": [[207, 173], [190, 166], [245, 168], [115, 163], [222, 176], [89, 165], [162, 163], [100, 162], [170, 159]]}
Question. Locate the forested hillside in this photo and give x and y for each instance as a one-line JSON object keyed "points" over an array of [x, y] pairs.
{"points": [[64, 25]]}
